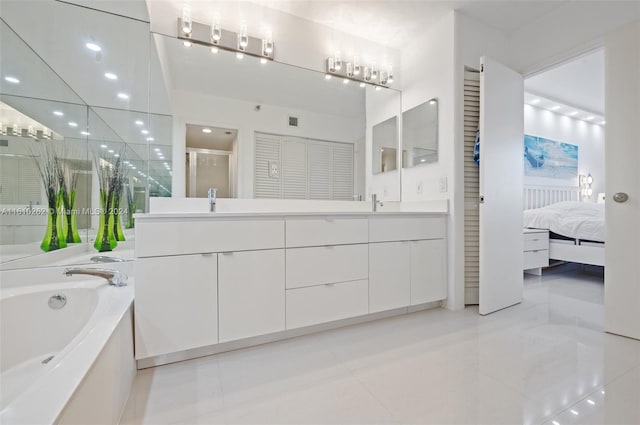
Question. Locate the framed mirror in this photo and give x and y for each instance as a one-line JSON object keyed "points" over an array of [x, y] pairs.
{"points": [[420, 134]]}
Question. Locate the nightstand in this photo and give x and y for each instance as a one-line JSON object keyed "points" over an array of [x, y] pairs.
{"points": [[535, 250]]}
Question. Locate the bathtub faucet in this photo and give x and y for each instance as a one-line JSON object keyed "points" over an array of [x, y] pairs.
{"points": [[114, 277]]}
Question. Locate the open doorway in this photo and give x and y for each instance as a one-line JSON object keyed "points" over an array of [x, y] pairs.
{"points": [[564, 171], [211, 161]]}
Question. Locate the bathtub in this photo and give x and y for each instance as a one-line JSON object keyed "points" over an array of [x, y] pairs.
{"points": [[48, 355]]}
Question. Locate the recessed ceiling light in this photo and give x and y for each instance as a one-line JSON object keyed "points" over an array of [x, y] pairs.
{"points": [[158, 153], [555, 108], [138, 122], [161, 157], [206, 130], [117, 155], [603, 122], [123, 96], [12, 80], [110, 76], [573, 114], [58, 113], [93, 47], [150, 139], [111, 151], [589, 118], [85, 133], [591, 402], [103, 146], [73, 124], [133, 168], [575, 412], [144, 131], [157, 149], [535, 101]]}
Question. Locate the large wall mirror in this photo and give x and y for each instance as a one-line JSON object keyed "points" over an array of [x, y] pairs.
{"points": [[420, 134], [285, 131], [74, 107]]}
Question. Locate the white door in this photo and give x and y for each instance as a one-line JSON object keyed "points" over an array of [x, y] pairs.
{"points": [[622, 156], [501, 182]]}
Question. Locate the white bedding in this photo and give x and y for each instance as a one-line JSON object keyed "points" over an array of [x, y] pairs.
{"points": [[578, 220]]}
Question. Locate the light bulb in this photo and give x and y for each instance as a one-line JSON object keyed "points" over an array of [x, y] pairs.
{"points": [[356, 65], [243, 38], [268, 44], [216, 32], [374, 72], [187, 25], [390, 74], [331, 65], [367, 73], [338, 60], [349, 69]]}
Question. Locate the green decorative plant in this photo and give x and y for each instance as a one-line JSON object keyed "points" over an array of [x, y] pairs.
{"points": [[111, 173], [48, 166], [68, 182], [131, 207]]}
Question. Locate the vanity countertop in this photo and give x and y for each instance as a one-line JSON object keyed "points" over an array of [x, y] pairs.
{"points": [[214, 215]]}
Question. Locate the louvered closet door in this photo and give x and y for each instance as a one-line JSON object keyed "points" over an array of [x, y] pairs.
{"points": [[267, 152], [342, 173], [319, 157], [8, 171], [294, 169], [471, 188], [29, 183]]}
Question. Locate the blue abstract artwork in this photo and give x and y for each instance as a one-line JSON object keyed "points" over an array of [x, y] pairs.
{"points": [[549, 158]]}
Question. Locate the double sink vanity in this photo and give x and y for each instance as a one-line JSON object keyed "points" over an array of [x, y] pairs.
{"points": [[209, 282]]}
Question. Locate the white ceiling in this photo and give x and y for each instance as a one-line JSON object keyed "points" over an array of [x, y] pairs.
{"points": [[217, 139], [396, 23], [578, 83]]}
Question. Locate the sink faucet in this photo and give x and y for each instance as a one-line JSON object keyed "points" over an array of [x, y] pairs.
{"points": [[212, 199], [375, 202], [114, 277]]}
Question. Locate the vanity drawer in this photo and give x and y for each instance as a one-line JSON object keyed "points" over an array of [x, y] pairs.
{"points": [[325, 303], [326, 230], [201, 236], [536, 241], [535, 259], [326, 264], [406, 227]]}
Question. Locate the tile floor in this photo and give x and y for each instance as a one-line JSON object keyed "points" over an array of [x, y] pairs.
{"points": [[545, 361]]}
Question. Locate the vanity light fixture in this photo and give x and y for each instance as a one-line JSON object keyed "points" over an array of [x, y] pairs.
{"points": [[349, 69], [356, 65], [331, 65], [338, 60], [390, 74], [367, 73], [374, 72], [217, 38], [384, 79]]}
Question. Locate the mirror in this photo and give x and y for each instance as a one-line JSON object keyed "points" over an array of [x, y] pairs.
{"points": [[385, 146], [296, 134], [65, 104], [420, 134]]}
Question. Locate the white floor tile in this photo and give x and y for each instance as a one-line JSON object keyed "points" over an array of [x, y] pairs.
{"points": [[527, 364]]}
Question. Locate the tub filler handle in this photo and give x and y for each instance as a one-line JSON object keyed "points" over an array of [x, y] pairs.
{"points": [[114, 277]]}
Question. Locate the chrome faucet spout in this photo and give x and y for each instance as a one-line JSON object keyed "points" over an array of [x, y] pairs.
{"points": [[212, 199], [114, 277], [375, 202]]}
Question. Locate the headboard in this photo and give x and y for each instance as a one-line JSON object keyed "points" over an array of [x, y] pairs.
{"points": [[541, 196]]}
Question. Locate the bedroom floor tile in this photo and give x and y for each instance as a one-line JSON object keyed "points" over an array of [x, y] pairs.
{"points": [[532, 363]]}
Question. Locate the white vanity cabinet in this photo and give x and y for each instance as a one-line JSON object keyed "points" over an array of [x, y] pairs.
{"points": [[176, 303], [327, 269], [250, 293], [407, 261]]}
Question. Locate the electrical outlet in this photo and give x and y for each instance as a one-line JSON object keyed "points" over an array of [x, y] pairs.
{"points": [[419, 188], [442, 184], [274, 169]]}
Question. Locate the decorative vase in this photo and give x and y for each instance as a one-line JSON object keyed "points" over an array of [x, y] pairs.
{"points": [[69, 201], [105, 240], [130, 220], [54, 237], [117, 218]]}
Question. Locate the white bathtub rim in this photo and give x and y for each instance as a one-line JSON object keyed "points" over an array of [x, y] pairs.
{"points": [[57, 385]]}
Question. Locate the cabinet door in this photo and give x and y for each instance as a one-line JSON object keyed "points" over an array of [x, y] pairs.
{"points": [[251, 293], [175, 303], [428, 268], [389, 276]]}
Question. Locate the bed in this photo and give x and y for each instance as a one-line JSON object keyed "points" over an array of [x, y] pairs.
{"points": [[576, 230]]}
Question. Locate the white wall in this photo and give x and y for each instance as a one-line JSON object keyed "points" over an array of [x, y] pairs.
{"points": [[199, 109], [588, 137]]}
